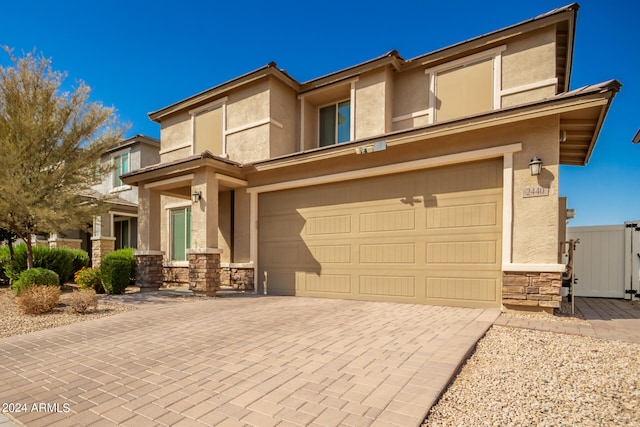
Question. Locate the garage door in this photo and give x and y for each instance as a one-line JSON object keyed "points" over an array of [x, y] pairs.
{"points": [[430, 237]]}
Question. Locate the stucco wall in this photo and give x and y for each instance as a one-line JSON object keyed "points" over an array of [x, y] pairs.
{"points": [[175, 131], [529, 59], [372, 90], [249, 145], [283, 105], [224, 225], [535, 219], [241, 247]]}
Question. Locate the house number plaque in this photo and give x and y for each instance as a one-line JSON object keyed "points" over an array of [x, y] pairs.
{"points": [[535, 191]]}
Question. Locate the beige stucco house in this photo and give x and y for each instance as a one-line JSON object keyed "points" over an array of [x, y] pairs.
{"points": [[392, 180], [117, 227]]}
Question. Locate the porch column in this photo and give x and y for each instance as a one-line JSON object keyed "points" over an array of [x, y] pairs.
{"points": [[102, 241], [149, 257], [204, 255]]}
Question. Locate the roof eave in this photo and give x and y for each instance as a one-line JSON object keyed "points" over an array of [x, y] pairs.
{"points": [[270, 69], [392, 58], [179, 166], [493, 38]]}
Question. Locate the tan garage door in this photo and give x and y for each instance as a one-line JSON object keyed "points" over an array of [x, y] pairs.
{"points": [[429, 237]]}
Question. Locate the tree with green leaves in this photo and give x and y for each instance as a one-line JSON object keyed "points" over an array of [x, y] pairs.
{"points": [[51, 142], [9, 238]]}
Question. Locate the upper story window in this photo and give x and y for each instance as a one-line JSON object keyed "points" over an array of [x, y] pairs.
{"points": [[466, 86], [121, 162], [209, 128], [327, 115], [335, 123]]}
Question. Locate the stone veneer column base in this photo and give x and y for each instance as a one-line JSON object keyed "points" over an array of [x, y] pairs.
{"points": [[149, 270], [101, 246], [531, 290], [237, 275], [176, 276], [204, 271]]}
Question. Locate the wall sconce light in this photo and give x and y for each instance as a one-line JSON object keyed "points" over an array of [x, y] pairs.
{"points": [[196, 196], [535, 165]]}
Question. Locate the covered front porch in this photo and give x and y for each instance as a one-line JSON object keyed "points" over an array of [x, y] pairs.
{"points": [[193, 225]]}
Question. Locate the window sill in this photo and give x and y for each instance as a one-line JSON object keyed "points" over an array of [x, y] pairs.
{"points": [[120, 189], [177, 264]]}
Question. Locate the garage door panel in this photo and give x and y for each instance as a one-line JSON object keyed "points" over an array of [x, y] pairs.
{"points": [[387, 285], [331, 254], [390, 220], [326, 283], [462, 252], [462, 215], [283, 227], [280, 254], [327, 224], [462, 288], [388, 253]]}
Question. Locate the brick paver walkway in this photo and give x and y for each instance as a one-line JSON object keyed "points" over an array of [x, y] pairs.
{"points": [[611, 319], [261, 361]]}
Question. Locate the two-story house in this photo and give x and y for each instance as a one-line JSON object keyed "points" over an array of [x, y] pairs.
{"points": [[429, 180], [116, 228]]}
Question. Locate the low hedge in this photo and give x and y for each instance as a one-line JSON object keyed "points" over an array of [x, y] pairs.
{"points": [[64, 261], [35, 277], [125, 255], [115, 274]]}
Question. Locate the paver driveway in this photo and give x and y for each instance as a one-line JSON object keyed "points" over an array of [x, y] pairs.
{"points": [[260, 361]]}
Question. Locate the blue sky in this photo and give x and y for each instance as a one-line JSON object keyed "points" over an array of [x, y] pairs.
{"points": [[140, 56]]}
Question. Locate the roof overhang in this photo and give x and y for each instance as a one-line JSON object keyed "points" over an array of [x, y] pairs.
{"points": [[172, 177], [138, 139], [270, 69]]}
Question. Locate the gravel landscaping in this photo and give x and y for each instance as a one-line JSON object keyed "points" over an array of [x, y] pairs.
{"points": [[13, 322], [521, 377]]}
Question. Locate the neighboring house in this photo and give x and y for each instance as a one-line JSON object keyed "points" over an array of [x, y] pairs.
{"points": [[392, 180], [117, 228]]}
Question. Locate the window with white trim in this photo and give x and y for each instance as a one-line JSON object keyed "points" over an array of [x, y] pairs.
{"points": [[209, 127], [121, 163], [466, 86], [335, 123], [180, 233]]}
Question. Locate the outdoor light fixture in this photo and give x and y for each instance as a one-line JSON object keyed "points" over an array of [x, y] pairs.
{"points": [[535, 165], [196, 196]]}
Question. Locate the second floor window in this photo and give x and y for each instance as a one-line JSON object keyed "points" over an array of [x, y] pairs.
{"points": [[121, 162], [335, 123], [209, 131]]}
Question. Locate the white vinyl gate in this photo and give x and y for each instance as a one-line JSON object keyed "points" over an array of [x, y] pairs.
{"points": [[606, 260]]}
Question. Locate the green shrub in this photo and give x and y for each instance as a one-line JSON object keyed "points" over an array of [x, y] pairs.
{"points": [[127, 255], [61, 260], [39, 299], [80, 260], [35, 277], [5, 257], [89, 279], [116, 274]]}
